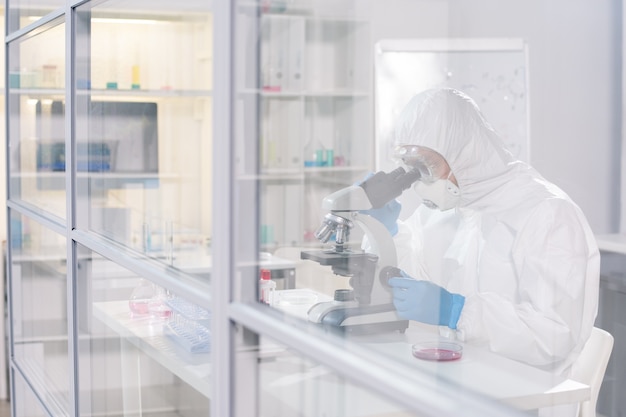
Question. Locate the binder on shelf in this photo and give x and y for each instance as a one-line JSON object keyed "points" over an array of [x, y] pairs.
{"points": [[278, 47], [295, 55], [292, 212]]}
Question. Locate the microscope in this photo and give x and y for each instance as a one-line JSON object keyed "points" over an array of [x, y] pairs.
{"points": [[367, 307]]}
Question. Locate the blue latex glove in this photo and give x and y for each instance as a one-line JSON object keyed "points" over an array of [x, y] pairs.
{"points": [[425, 302], [387, 215]]}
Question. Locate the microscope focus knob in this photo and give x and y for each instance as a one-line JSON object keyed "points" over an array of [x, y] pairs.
{"points": [[344, 295]]}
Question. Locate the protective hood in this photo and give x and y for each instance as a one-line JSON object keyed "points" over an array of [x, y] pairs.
{"points": [[518, 249], [449, 122]]}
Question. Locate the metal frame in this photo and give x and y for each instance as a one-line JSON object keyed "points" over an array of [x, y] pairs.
{"points": [[223, 208], [622, 182]]}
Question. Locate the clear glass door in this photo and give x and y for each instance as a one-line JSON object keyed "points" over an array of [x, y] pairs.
{"points": [[315, 187], [36, 125], [143, 161], [143, 129]]}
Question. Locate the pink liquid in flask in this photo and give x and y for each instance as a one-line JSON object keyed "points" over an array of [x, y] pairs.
{"points": [[139, 307]]}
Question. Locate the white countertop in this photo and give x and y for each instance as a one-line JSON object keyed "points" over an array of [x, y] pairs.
{"points": [[514, 383], [479, 370], [612, 242]]}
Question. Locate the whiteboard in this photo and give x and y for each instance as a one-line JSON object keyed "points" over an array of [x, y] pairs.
{"points": [[491, 71]]}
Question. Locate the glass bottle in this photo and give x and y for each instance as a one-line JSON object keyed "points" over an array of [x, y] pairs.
{"points": [[158, 306], [140, 298], [266, 287]]}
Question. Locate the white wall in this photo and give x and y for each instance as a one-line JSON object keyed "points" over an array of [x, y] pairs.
{"points": [[575, 87]]}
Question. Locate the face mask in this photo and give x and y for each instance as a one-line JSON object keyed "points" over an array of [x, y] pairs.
{"points": [[441, 194]]}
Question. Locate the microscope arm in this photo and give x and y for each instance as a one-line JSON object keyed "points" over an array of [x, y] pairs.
{"points": [[378, 237]]}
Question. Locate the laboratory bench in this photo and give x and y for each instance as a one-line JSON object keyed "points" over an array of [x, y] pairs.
{"points": [[511, 382], [478, 370]]}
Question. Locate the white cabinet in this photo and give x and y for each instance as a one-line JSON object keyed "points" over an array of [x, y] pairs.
{"points": [[109, 138]]}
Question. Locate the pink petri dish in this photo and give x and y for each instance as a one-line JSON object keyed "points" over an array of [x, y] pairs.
{"points": [[439, 351]]}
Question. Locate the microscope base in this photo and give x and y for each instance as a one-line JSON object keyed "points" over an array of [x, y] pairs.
{"points": [[364, 320]]}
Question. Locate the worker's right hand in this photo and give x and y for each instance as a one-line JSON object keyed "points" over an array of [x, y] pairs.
{"points": [[425, 301], [387, 215]]}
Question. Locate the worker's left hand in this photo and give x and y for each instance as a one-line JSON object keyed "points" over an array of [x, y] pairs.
{"points": [[387, 215], [425, 302]]}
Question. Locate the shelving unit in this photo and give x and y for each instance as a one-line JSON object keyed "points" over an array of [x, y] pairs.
{"points": [[152, 221], [315, 119], [136, 120]]}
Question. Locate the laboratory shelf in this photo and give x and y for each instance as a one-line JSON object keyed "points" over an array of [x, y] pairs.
{"points": [[103, 179], [39, 331], [298, 174], [39, 92], [341, 93], [335, 169], [148, 335], [307, 94], [174, 93], [298, 9], [96, 175]]}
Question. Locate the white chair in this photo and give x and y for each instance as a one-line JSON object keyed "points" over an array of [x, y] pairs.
{"points": [[590, 367]]}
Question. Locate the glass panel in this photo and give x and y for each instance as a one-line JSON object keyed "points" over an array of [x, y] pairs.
{"points": [[24, 400], [37, 122], [144, 129], [302, 119], [313, 99], [39, 309], [290, 384], [143, 349], [457, 273], [25, 12]]}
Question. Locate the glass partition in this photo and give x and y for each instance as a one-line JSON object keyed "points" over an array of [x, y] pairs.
{"points": [[36, 123], [143, 349], [21, 13], [25, 401], [333, 124], [291, 384], [143, 129], [242, 254], [39, 309]]}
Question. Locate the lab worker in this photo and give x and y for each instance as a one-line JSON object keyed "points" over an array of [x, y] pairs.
{"points": [[495, 252]]}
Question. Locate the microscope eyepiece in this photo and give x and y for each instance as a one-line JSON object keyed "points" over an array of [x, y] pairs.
{"points": [[383, 187]]}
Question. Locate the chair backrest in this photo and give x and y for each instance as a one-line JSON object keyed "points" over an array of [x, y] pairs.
{"points": [[591, 365]]}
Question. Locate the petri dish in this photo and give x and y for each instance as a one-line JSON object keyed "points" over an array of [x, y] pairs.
{"points": [[437, 350]]}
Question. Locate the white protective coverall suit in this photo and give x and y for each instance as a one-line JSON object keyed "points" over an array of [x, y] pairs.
{"points": [[516, 246]]}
